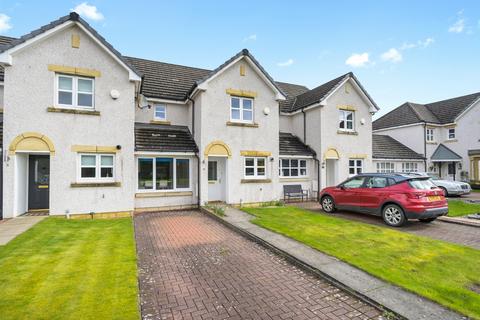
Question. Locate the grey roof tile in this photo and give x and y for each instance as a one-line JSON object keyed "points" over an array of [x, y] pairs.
{"points": [[386, 147], [444, 153], [440, 112], [292, 145], [163, 138]]}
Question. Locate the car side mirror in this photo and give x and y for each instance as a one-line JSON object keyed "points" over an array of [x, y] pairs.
{"points": [[342, 187]]}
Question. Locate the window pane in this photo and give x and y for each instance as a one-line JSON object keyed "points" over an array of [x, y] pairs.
{"points": [[88, 161], [249, 171], [85, 99], [349, 116], [247, 115], [106, 172], [64, 97], [359, 163], [249, 162], [64, 83], [145, 174], [354, 183], [164, 173], [183, 173], [285, 163], [303, 172], [88, 172], [247, 104], [286, 172], [294, 163], [85, 85], [260, 171], [160, 111], [294, 172], [212, 170], [236, 103], [342, 124], [351, 163], [349, 125], [261, 162], [106, 161], [303, 163], [236, 114]]}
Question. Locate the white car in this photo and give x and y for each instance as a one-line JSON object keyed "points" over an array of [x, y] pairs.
{"points": [[450, 188]]}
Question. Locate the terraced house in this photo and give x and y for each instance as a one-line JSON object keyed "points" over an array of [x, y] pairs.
{"points": [[88, 130], [446, 132]]}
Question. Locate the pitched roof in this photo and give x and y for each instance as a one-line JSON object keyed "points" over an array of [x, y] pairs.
{"points": [[73, 16], [440, 112], [165, 80], [4, 41], [292, 145], [163, 138], [291, 91], [444, 153], [386, 147]]}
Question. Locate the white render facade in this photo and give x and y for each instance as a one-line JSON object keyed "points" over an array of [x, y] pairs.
{"points": [[447, 133], [88, 131]]}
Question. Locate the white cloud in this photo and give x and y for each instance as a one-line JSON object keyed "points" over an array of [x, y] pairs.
{"points": [[88, 11], [420, 43], [4, 22], [252, 37], [427, 42], [458, 26], [358, 60], [287, 63], [392, 55]]}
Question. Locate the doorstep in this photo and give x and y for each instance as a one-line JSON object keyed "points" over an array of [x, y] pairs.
{"points": [[362, 285]]}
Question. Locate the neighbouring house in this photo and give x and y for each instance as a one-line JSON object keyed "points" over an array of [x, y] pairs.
{"points": [[88, 130], [389, 155], [446, 132]]}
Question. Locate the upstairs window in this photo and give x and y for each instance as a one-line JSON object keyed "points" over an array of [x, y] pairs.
{"points": [[241, 109], [160, 112], [75, 92], [451, 133], [346, 120], [430, 135]]}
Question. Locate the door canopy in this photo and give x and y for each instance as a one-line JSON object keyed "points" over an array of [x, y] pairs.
{"points": [[332, 154], [31, 141], [218, 148]]}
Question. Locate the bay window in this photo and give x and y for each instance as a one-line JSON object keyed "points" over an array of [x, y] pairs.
{"points": [[163, 174], [255, 167], [292, 167], [96, 167], [74, 91], [409, 167], [385, 167]]}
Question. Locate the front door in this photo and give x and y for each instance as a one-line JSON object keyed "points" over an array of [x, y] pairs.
{"points": [[216, 179], [38, 181]]}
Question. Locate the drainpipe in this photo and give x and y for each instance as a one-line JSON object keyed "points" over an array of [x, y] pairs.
{"points": [[315, 156], [425, 145], [304, 126], [318, 176], [197, 156]]}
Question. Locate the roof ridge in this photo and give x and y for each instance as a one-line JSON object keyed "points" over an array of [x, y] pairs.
{"points": [[171, 64], [444, 100]]}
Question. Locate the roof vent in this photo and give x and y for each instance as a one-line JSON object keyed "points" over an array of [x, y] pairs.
{"points": [[156, 135], [175, 80], [172, 135]]}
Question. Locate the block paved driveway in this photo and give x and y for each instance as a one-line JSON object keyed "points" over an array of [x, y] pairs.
{"points": [[456, 233], [193, 267]]}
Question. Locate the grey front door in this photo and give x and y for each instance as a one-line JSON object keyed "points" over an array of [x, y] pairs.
{"points": [[38, 181]]}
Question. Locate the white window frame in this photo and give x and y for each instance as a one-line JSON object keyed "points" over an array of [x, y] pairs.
{"points": [[298, 167], [430, 135], [98, 167], [241, 99], [155, 112], [385, 167], [255, 168], [74, 92], [409, 167], [342, 116], [355, 166], [454, 134], [154, 175]]}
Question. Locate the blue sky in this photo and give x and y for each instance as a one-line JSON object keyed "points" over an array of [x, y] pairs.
{"points": [[419, 51]]}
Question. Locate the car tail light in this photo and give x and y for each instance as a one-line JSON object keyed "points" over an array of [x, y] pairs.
{"points": [[416, 195]]}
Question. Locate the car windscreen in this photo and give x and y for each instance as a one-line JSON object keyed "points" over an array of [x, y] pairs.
{"points": [[421, 184]]}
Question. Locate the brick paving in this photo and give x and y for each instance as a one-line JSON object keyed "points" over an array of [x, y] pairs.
{"points": [[455, 233], [193, 267]]}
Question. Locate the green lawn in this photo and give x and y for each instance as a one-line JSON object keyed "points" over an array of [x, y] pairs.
{"points": [[435, 269], [457, 208], [70, 269]]}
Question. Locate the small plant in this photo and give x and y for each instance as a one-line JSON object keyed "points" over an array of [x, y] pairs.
{"points": [[275, 203], [218, 210]]}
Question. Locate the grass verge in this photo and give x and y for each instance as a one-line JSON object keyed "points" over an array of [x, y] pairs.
{"points": [[458, 208], [70, 269], [440, 271]]}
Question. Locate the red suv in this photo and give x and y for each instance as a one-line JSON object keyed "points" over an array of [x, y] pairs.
{"points": [[395, 197]]}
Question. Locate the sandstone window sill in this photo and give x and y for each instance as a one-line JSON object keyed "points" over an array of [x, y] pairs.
{"points": [[160, 122], [241, 124], [351, 133], [74, 111], [94, 184], [255, 181], [163, 194]]}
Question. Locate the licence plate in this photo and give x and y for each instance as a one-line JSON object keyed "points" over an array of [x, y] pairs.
{"points": [[434, 198]]}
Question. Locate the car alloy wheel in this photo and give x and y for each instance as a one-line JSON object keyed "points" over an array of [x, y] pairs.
{"points": [[393, 215], [445, 192], [327, 204]]}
